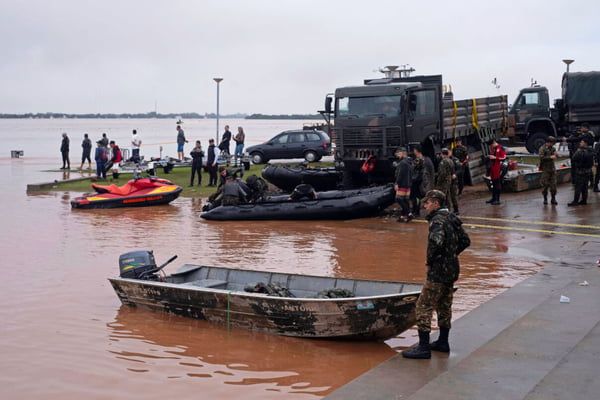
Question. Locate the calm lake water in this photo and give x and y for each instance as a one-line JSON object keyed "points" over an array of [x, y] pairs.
{"points": [[65, 335]]}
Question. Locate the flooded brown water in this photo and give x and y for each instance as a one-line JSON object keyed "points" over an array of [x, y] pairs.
{"points": [[65, 335]]}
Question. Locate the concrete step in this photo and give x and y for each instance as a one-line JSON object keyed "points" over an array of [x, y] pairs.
{"points": [[533, 354], [502, 349]]}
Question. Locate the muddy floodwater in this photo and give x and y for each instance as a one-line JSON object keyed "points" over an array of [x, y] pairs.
{"points": [[65, 335]]}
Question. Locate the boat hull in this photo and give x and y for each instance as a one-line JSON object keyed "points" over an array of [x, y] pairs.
{"points": [[376, 317], [520, 182], [348, 204], [151, 197], [287, 177]]}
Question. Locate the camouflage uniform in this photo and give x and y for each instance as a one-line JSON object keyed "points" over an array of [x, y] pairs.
{"points": [[444, 179], [428, 175], [548, 178], [461, 153], [446, 241], [583, 160], [454, 186]]}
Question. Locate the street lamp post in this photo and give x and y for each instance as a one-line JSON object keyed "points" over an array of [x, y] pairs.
{"points": [[218, 80], [568, 62]]}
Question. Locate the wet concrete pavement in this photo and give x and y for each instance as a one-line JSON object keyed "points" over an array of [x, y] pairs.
{"points": [[524, 343]]}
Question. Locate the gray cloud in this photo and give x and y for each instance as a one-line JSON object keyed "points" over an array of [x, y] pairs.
{"points": [[275, 56]]}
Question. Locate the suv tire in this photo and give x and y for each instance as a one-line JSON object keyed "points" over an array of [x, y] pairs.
{"points": [[311, 156], [257, 158]]}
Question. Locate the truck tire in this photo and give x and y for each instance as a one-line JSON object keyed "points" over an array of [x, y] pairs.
{"points": [[535, 141]]}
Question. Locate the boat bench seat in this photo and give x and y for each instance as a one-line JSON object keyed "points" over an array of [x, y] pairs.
{"points": [[208, 283]]}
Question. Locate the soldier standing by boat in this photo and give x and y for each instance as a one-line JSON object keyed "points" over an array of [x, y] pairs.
{"points": [[446, 240], [583, 161], [548, 156], [462, 154], [445, 176]]}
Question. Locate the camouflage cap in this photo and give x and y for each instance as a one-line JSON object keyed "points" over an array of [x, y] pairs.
{"points": [[551, 139], [435, 195]]}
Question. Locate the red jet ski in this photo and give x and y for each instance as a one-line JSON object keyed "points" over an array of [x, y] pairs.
{"points": [[149, 191]]}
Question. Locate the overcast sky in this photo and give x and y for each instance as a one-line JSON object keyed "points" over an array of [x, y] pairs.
{"points": [[276, 57]]}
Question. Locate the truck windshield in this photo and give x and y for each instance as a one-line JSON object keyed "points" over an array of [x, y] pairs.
{"points": [[364, 107]]}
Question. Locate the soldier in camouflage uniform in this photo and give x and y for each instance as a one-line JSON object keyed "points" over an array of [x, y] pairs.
{"points": [[446, 240], [454, 185], [462, 154], [583, 161], [548, 156], [445, 175]]}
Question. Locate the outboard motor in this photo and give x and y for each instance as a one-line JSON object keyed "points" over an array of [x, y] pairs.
{"points": [[140, 264], [136, 264]]}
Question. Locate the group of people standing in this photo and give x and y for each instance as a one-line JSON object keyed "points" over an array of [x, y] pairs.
{"points": [[583, 158], [107, 154], [213, 154], [239, 139], [415, 176]]}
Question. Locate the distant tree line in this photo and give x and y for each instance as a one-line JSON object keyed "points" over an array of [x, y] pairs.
{"points": [[284, 116], [164, 116]]}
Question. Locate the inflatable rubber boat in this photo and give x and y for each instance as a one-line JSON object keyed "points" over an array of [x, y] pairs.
{"points": [[288, 177], [335, 204], [149, 191]]}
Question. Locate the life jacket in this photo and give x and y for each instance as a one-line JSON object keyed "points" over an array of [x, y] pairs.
{"points": [[369, 164]]}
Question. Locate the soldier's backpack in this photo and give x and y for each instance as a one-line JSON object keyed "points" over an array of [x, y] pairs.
{"points": [[462, 238]]}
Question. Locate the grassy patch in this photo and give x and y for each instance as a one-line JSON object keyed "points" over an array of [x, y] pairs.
{"points": [[179, 176]]}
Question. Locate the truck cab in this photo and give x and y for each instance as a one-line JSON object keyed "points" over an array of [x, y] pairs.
{"points": [[530, 118], [377, 118]]}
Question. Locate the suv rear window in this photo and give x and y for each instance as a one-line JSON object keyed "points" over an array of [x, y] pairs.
{"points": [[313, 137]]}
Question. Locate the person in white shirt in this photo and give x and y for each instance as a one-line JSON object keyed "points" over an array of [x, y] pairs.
{"points": [[136, 143]]}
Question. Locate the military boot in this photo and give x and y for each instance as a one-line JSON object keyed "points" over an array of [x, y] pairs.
{"points": [[422, 350], [545, 197], [553, 200], [442, 343]]}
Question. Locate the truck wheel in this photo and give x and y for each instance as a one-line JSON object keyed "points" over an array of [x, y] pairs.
{"points": [[535, 141], [257, 158]]}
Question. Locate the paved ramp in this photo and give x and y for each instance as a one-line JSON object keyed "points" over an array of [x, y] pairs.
{"points": [[523, 344]]}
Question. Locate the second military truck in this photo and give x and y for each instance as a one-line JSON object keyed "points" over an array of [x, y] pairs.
{"points": [[532, 120]]}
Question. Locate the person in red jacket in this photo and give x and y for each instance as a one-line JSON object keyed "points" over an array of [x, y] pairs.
{"points": [[497, 156], [116, 156]]}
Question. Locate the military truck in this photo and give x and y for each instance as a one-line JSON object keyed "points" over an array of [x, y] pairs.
{"points": [[532, 120], [372, 120]]}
